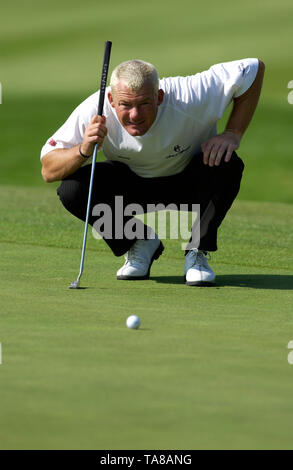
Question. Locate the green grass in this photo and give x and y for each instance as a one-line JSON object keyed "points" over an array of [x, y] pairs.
{"points": [[207, 369]]}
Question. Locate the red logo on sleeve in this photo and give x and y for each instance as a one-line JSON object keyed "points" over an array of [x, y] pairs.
{"points": [[53, 142]]}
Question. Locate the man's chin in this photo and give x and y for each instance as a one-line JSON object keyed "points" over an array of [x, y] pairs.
{"points": [[136, 131]]}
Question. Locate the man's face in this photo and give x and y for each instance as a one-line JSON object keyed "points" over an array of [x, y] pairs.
{"points": [[136, 110]]}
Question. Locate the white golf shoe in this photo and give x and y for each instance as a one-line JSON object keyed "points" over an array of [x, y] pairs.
{"points": [[197, 271], [139, 258]]}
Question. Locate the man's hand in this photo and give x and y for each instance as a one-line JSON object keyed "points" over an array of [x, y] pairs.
{"points": [[223, 144], [94, 133]]}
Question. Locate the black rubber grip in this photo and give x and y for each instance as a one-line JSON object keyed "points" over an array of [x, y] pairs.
{"points": [[106, 61]]}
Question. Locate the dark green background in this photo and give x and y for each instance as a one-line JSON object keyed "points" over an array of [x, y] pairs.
{"points": [[51, 58]]}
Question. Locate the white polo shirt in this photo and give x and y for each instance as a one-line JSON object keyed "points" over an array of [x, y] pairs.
{"points": [[186, 118]]}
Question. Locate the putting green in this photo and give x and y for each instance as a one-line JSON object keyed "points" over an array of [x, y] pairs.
{"points": [[207, 369]]}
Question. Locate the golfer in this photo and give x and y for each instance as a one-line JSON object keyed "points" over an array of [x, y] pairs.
{"points": [[161, 145]]}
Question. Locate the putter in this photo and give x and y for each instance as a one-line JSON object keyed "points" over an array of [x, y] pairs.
{"points": [[108, 45]]}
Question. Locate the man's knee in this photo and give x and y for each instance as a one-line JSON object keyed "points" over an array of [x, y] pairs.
{"points": [[231, 171], [235, 163], [71, 195]]}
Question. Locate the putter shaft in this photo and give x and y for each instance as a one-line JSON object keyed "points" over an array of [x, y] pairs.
{"points": [[75, 284], [108, 46]]}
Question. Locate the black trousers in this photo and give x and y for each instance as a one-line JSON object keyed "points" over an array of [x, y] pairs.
{"points": [[214, 188]]}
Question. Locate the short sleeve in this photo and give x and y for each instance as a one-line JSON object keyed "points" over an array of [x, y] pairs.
{"points": [[206, 95], [223, 82]]}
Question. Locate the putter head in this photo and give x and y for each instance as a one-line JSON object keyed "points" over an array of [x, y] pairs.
{"points": [[74, 285]]}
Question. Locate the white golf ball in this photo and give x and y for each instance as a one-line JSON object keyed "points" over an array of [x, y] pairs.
{"points": [[133, 322]]}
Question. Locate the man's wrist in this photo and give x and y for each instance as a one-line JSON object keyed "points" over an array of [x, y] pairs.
{"points": [[234, 131], [83, 155]]}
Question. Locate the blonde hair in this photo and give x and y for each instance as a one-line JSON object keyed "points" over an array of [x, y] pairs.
{"points": [[135, 73]]}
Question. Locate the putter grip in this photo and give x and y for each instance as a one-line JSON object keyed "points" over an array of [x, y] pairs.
{"points": [[104, 75]]}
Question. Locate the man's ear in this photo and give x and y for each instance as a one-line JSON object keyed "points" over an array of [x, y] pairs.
{"points": [[110, 98], [160, 97]]}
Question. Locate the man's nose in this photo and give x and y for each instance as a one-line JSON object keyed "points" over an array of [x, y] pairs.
{"points": [[134, 113]]}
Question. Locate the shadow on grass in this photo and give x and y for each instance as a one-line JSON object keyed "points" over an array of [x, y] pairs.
{"points": [[168, 279], [255, 281]]}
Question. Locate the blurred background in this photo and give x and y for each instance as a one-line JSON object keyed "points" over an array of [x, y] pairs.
{"points": [[51, 55]]}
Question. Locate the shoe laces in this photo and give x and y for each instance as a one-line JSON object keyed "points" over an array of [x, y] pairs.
{"points": [[134, 254], [200, 257]]}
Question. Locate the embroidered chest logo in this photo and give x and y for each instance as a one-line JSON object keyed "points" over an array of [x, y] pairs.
{"points": [[179, 151]]}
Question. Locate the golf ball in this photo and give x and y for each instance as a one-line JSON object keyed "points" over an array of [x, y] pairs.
{"points": [[133, 322]]}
